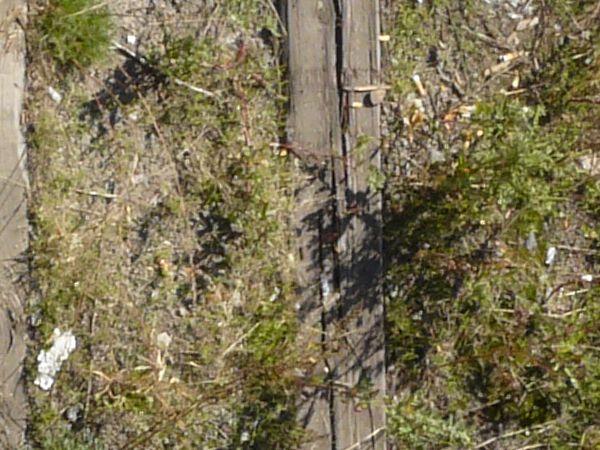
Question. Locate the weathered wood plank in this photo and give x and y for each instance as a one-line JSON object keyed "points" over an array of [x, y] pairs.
{"points": [[13, 223], [314, 134], [333, 49], [360, 367]]}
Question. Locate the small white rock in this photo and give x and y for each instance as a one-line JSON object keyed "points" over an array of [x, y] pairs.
{"points": [[131, 39], [587, 278], [325, 289], [534, 22], [550, 256], [54, 95], [435, 156], [275, 294]]}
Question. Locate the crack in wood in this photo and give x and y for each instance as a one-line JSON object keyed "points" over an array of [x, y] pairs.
{"points": [[333, 45]]}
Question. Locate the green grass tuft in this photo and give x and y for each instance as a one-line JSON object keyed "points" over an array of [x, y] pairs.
{"points": [[76, 33]]}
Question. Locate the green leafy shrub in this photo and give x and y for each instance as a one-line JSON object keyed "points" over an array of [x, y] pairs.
{"points": [[491, 343]]}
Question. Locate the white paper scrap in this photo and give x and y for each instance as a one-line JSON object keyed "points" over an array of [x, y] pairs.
{"points": [[50, 361], [550, 256]]}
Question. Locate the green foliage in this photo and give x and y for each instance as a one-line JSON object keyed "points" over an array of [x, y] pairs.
{"points": [[411, 40], [472, 312], [66, 440], [413, 424], [485, 341], [75, 32]]}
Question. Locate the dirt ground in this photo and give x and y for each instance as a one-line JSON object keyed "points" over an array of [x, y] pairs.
{"points": [[163, 205]]}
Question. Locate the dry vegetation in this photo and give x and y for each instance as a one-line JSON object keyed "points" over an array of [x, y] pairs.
{"points": [[159, 214]]}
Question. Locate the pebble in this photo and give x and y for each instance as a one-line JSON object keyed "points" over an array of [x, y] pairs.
{"points": [[550, 256], [54, 95]]}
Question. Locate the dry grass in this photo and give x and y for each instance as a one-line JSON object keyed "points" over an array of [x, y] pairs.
{"points": [[157, 211]]}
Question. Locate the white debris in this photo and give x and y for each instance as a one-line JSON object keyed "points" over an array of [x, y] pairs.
{"points": [[131, 39], [275, 295], [587, 278], [590, 163], [534, 22], [325, 289], [419, 85], [54, 95], [531, 242], [163, 340], [550, 256], [528, 23], [49, 362], [435, 156]]}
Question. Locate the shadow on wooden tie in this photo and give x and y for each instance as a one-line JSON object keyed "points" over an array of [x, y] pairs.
{"points": [[333, 46]]}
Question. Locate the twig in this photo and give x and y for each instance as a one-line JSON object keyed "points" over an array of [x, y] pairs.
{"points": [[90, 385], [532, 446], [144, 62], [97, 194], [578, 249], [591, 100], [270, 5], [191, 87], [574, 293], [538, 428], [86, 10], [565, 314], [239, 340], [365, 439], [486, 39]]}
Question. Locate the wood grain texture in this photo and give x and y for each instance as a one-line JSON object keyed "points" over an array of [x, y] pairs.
{"points": [[13, 223], [360, 364], [333, 46], [313, 129]]}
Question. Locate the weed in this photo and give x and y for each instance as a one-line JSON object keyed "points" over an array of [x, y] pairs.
{"points": [[413, 423], [491, 341], [66, 441], [76, 33], [161, 239]]}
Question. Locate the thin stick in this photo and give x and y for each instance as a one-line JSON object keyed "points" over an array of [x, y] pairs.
{"points": [[86, 10], [538, 428], [143, 61], [563, 315], [191, 87], [270, 4], [240, 340], [97, 194], [365, 439]]}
